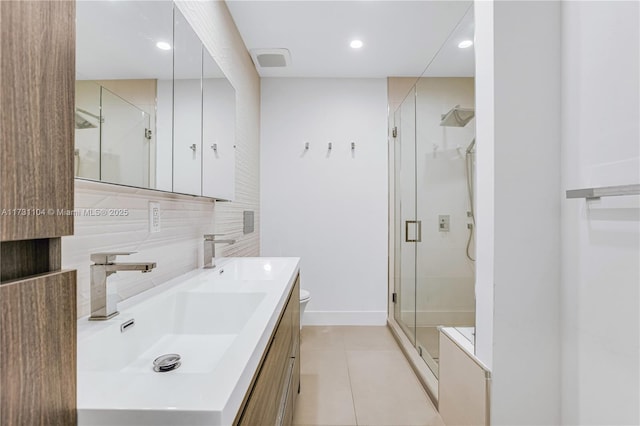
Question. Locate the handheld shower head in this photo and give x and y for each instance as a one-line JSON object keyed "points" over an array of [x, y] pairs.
{"points": [[471, 146]]}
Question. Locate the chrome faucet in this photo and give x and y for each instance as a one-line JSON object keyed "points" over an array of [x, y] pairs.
{"points": [[104, 265], [210, 249]]}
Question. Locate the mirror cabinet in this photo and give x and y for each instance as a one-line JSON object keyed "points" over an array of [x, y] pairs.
{"points": [[153, 109]]}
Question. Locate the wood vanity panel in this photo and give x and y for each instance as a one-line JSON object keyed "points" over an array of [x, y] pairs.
{"points": [[20, 259], [263, 403], [37, 68], [38, 341], [295, 385]]}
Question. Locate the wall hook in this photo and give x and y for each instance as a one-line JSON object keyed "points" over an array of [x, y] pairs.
{"points": [[330, 145], [214, 147], [353, 145], [306, 146]]}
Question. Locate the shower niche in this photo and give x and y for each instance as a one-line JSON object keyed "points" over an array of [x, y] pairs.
{"points": [[432, 155], [153, 108]]}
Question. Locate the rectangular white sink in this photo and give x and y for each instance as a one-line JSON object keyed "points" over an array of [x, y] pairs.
{"points": [[219, 323], [256, 269]]}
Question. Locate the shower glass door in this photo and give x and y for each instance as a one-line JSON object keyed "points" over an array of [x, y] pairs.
{"points": [[445, 276], [406, 225], [434, 223]]}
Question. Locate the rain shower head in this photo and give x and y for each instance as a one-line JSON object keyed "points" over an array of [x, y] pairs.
{"points": [[83, 123], [457, 117]]}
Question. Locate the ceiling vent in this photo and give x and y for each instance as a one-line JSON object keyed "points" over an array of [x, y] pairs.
{"points": [[271, 58]]}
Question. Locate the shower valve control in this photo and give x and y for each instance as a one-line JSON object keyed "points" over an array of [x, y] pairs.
{"points": [[443, 223]]}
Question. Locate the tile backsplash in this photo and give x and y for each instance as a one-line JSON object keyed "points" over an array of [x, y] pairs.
{"points": [[176, 249]]}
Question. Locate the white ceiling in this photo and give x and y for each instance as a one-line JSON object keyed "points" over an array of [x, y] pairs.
{"points": [[400, 37]]}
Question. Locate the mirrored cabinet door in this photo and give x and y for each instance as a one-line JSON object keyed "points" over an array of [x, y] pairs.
{"points": [[218, 132], [153, 109], [124, 86], [187, 109]]}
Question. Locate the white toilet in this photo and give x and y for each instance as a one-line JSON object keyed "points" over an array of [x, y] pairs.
{"points": [[305, 296]]}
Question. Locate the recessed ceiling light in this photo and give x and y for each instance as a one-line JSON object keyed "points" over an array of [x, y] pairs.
{"points": [[465, 43], [356, 44], [163, 45]]}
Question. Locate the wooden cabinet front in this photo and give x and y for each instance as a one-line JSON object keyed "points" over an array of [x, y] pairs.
{"points": [[272, 398], [37, 64], [38, 341]]}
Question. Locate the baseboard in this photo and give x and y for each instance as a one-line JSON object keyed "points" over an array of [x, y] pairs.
{"points": [[344, 318]]}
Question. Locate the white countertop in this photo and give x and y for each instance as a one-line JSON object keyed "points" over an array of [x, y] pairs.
{"points": [[219, 320]]}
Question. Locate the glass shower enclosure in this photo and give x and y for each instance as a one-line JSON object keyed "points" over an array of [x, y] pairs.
{"points": [[434, 147]]}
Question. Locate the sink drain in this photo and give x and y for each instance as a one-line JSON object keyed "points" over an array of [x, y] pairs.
{"points": [[167, 362]]}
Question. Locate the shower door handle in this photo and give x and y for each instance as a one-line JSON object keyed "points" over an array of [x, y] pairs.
{"points": [[418, 224]]}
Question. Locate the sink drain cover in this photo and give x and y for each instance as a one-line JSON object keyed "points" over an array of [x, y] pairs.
{"points": [[166, 363]]}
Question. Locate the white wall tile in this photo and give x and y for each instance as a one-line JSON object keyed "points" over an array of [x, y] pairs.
{"points": [[176, 249]]}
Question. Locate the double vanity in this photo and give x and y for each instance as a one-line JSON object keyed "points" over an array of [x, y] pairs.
{"points": [[225, 342]]}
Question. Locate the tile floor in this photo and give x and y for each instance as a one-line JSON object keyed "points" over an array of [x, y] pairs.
{"points": [[358, 376]]}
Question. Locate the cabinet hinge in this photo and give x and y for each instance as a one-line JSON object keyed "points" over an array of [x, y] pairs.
{"points": [[394, 132], [147, 134], [394, 297]]}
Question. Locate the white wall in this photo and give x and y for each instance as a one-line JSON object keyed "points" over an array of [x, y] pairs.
{"points": [[483, 44], [601, 239], [184, 220], [589, 374], [524, 210], [328, 208]]}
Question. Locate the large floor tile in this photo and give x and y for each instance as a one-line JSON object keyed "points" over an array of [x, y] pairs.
{"points": [[386, 391], [330, 364], [358, 375], [323, 405], [322, 338], [325, 390], [368, 338]]}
